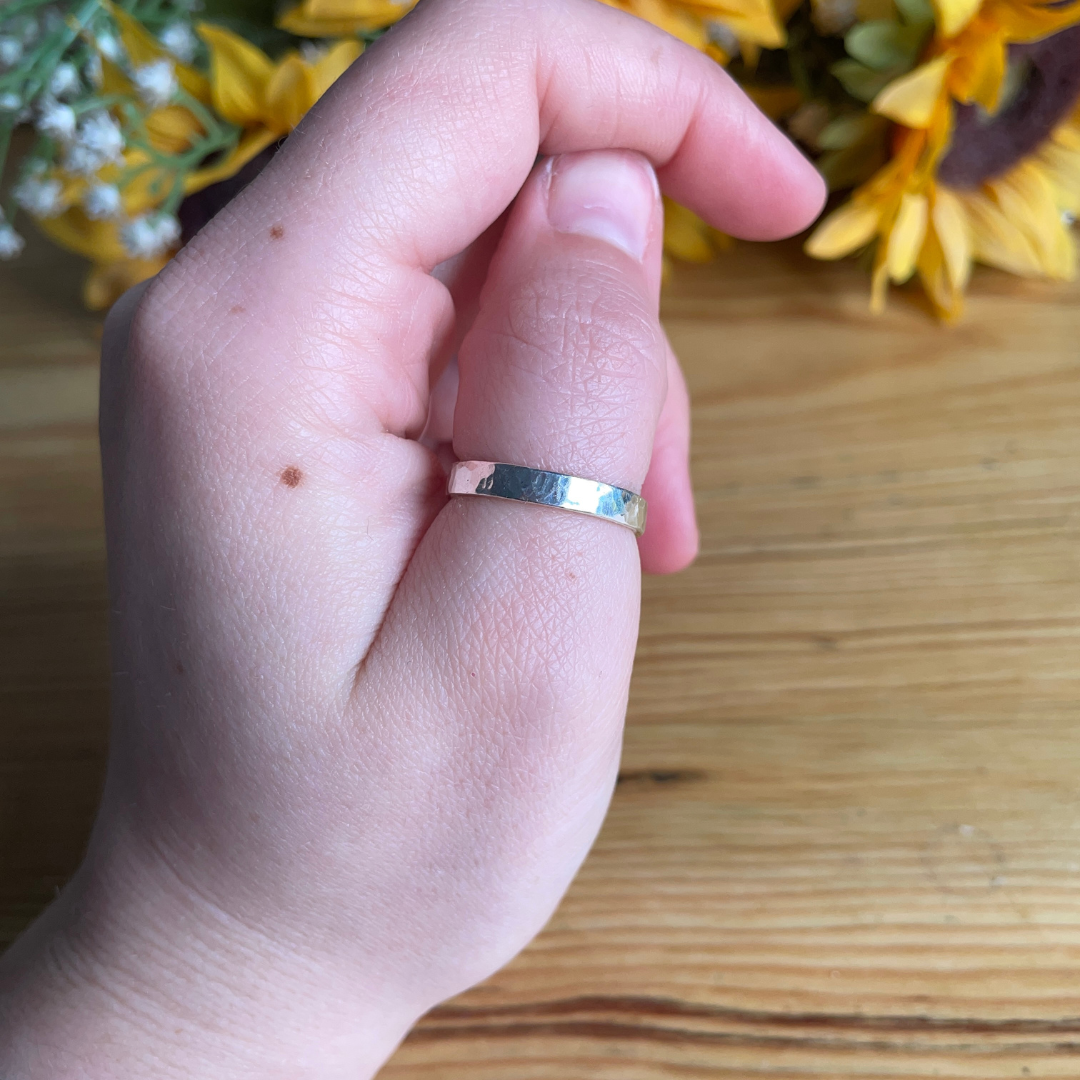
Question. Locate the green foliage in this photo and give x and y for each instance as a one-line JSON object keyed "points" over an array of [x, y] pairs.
{"points": [[882, 50]]}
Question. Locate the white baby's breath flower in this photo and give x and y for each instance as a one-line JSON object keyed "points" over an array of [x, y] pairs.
{"points": [[168, 230], [150, 235], [52, 20], [40, 197], [93, 71], [65, 81], [98, 141], [80, 160], [30, 30], [180, 40], [155, 83], [109, 46], [11, 243], [102, 201], [56, 120], [140, 238], [10, 102], [11, 51]]}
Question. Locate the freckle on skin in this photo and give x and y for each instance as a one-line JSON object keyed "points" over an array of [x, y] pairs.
{"points": [[277, 232], [236, 309], [291, 476], [179, 668]]}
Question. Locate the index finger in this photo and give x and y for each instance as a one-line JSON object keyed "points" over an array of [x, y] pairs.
{"points": [[426, 140]]}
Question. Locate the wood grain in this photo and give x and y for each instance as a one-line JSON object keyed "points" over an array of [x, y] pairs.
{"points": [[846, 841]]}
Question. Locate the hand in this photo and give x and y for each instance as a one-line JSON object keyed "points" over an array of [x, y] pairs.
{"points": [[364, 736]]}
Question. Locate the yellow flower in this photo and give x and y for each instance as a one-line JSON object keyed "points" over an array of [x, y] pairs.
{"points": [[342, 18], [689, 238], [1019, 222], [754, 24], [113, 271], [245, 88], [266, 99], [143, 48], [339, 18], [919, 222], [171, 129]]}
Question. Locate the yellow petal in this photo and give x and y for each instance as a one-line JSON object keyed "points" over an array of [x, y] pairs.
{"points": [[686, 236], [933, 273], [1030, 21], [911, 99], [289, 94], [979, 75], [172, 129], [92, 239], [879, 281], [1068, 134], [239, 74], [254, 142], [997, 241], [845, 230], [143, 48], [669, 17], [139, 44], [1063, 172], [333, 65], [954, 15], [954, 236], [906, 237], [341, 18], [749, 20], [1026, 198]]}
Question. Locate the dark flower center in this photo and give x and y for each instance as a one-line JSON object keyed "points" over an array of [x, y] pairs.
{"points": [[983, 147]]}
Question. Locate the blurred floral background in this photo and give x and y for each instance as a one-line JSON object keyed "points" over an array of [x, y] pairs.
{"points": [[949, 130]]}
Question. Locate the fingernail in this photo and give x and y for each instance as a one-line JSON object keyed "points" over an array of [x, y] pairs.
{"points": [[606, 194]]}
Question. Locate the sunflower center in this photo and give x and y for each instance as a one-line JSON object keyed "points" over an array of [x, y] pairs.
{"points": [[1045, 87]]}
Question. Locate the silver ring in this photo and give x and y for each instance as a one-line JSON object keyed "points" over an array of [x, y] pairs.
{"points": [[542, 488]]}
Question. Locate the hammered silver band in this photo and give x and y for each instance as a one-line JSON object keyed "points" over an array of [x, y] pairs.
{"points": [[542, 488]]}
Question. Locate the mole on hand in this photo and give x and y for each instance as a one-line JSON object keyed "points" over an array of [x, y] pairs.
{"points": [[291, 476], [277, 232]]}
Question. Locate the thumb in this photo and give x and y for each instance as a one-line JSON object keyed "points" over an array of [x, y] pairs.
{"points": [[506, 653], [565, 367]]}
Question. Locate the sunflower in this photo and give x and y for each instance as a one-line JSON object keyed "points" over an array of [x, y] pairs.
{"points": [[985, 162]]}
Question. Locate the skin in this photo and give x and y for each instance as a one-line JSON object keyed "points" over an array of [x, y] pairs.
{"points": [[363, 736]]}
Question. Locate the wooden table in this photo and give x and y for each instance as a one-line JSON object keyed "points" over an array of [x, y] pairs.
{"points": [[846, 842]]}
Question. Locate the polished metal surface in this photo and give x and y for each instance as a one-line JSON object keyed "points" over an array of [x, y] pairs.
{"points": [[521, 484]]}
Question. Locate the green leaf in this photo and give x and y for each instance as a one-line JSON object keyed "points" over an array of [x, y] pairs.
{"points": [[915, 12], [882, 45], [858, 80], [845, 131]]}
